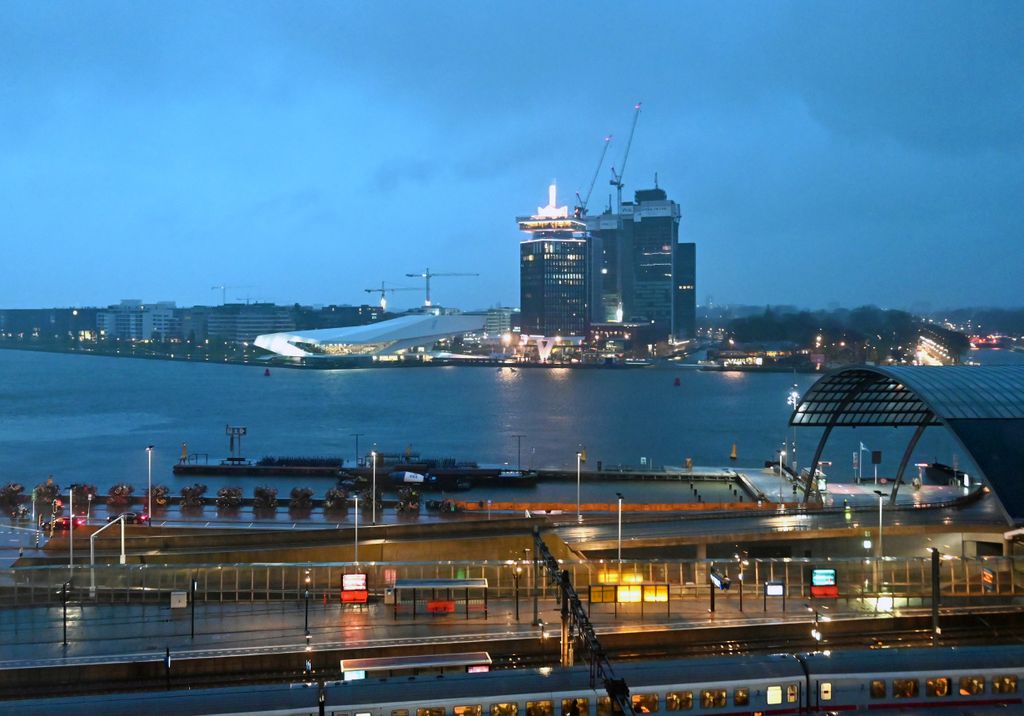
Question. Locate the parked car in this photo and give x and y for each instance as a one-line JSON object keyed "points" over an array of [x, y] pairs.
{"points": [[130, 518], [63, 523]]}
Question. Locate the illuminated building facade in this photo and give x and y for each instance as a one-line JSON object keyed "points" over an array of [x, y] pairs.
{"points": [[556, 273], [639, 248]]}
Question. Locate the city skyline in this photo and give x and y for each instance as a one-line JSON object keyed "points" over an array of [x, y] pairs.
{"points": [[303, 156]]}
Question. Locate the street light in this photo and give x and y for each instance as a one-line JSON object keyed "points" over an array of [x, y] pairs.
{"points": [[515, 576], [307, 605], [373, 488], [782, 457], [356, 539], [580, 457], [881, 496], [71, 529], [149, 482], [621, 498], [519, 452], [357, 436], [793, 399]]}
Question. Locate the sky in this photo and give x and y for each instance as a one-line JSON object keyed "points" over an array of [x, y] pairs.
{"points": [[821, 152]]}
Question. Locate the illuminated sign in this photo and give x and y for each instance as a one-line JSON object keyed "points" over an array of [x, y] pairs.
{"points": [[350, 582], [720, 581], [355, 675], [775, 589], [823, 583], [823, 577], [478, 669], [353, 588]]}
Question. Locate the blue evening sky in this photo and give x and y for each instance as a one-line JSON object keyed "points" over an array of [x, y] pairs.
{"points": [[847, 152]]}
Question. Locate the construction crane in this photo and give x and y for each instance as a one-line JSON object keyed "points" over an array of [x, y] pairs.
{"points": [[224, 291], [581, 203], [616, 180], [383, 291], [428, 275]]}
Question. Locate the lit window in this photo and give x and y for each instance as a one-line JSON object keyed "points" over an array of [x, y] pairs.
{"points": [[582, 706], [825, 691], [713, 698], [877, 689], [774, 695], [468, 711], [679, 701], [971, 685], [539, 708], [1004, 684], [645, 703], [431, 711], [741, 697], [791, 693], [904, 688], [937, 687]]}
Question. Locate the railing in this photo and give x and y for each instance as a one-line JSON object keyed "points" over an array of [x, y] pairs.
{"points": [[900, 579]]}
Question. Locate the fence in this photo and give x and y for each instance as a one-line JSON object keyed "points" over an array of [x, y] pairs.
{"points": [[900, 579]]}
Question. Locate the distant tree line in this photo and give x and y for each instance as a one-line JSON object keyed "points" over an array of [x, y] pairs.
{"points": [[1007, 321], [867, 324]]}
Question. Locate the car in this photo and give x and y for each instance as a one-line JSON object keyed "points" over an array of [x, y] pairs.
{"points": [[63, 523], [130, 518]]}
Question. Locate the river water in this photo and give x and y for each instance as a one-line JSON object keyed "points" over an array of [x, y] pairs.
{"points": [[89, 418]]}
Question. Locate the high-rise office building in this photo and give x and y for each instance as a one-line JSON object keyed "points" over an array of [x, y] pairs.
{"points": [[684, 282], [556, 274], [638, 263]]}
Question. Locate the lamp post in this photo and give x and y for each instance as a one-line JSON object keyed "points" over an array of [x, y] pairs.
{"points": [[621, 498], [373, 488], [356, 538], [307, 606], [579, 461], [195, 586], [793, 399], [357, 436], [881, 497], [149, 484], [71, 529], [515, 577], [519, 452], [782, 457]]}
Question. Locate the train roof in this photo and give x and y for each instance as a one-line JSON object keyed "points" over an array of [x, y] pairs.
{"points": [[916, 659]]}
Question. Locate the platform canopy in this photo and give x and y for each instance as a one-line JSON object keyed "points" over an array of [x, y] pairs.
{"points": [[981, 406]]}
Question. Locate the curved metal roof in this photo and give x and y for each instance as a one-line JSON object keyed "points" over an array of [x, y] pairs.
{"points": [[982, 406], [912, 395]]}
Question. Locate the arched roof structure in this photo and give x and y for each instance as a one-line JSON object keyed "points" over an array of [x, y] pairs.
{"points": [[981, 406]]}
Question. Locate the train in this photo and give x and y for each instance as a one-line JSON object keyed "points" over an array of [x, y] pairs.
{"points": [[954, 680]]}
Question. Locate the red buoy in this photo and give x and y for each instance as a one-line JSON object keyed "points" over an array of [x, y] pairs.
{"points": [[676, 383]]}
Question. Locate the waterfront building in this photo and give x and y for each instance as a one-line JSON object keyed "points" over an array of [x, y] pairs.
{"points": [[406, 338], [556, 273], [684, 296], [639, 263], [132, 320], [48, 324], [242, 322]]}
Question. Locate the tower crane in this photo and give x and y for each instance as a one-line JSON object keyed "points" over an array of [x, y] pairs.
{"points": [[383, 291], [616, 180], [224, 291], [581, 203], [428, 275]]}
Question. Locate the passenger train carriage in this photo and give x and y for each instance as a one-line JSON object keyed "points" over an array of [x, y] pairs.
{"points": [[975, 680]]}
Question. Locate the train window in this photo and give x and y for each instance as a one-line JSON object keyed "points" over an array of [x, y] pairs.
{"points": [[575, 707], [825, 690], [399, 712], [713, 699], [539, 708], [791, 694], [468, 711], [605, 707], [774, 695], [504, 709], [971, 685], [938, 686], [904, 688], [645, 703], [877, 689], [431, 711], [1004, 684], [741, 697], [679, 701]]}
